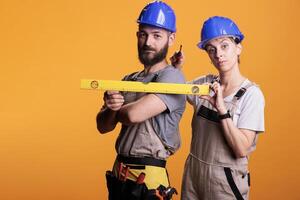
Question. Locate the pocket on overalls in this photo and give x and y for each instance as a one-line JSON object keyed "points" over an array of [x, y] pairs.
{"points": [[238, 181], [242, 177]]}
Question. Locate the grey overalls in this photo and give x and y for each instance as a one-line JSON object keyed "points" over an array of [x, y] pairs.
{"points": [[139, 170], [212, 172], [141, 140]]}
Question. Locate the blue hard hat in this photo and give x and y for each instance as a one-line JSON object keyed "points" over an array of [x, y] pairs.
{"points": [[158, 14], [215, 27]]}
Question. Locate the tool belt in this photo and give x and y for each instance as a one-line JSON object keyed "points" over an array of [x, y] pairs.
{"points": [[142, 161], [122, 188]]}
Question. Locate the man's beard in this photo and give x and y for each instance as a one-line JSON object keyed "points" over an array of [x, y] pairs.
{"points": [[157, 57]]}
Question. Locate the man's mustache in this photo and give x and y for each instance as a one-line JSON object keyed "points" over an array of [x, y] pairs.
{"points": [[147, 48]]}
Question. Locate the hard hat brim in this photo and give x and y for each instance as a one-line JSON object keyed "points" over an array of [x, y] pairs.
{"points": [[202, 44], [156, 26]]}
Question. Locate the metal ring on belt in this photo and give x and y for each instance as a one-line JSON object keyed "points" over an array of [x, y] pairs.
{"points": [[142, 161]]}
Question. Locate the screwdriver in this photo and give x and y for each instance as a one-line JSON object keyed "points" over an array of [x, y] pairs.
{"points": [[179, 54]]}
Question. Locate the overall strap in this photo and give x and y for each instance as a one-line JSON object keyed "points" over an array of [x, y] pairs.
{"points": [[238, 96], [133, 76]]}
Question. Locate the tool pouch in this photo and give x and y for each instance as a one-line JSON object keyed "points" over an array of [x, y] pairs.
{"points": [[124, 190]]}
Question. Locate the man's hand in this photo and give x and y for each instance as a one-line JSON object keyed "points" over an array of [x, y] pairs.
{"points": [[113, 100], [217, 100]]}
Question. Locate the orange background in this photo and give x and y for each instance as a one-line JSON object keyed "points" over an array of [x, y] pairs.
{"points": [[49, 146]]}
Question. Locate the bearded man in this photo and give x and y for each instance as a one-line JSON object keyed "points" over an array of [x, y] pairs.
{"points": [[150, 132]]}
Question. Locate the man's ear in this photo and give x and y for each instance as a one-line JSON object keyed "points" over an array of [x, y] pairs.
{"points": [[171, 39], [239, 48]]}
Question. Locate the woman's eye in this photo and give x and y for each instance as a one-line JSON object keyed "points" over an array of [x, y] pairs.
{"points": [[224, 46], [211, 50]]}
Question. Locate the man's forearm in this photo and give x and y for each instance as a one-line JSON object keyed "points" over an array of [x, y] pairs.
{"points": [[144, 108], [106, 120]]}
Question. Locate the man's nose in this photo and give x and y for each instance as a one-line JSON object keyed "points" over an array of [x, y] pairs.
{"points": [[149, 41]]}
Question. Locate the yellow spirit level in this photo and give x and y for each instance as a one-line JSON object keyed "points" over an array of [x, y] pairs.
{"points": [[151, 87]]}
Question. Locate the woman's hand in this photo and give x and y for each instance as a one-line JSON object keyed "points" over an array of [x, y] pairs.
{"points": [[177, 59], [217, 100]]}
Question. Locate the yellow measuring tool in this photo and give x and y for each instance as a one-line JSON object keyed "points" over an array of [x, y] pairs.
{"points": [[151, 87]]}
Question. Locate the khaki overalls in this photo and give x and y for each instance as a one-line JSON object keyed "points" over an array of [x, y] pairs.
{"points": [[212, 172]]}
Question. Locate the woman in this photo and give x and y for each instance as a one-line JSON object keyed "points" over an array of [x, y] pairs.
{"points": [[226, 123]]}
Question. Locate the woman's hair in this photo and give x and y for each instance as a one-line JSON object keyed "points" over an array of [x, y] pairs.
{"points": [[236, 41]]}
